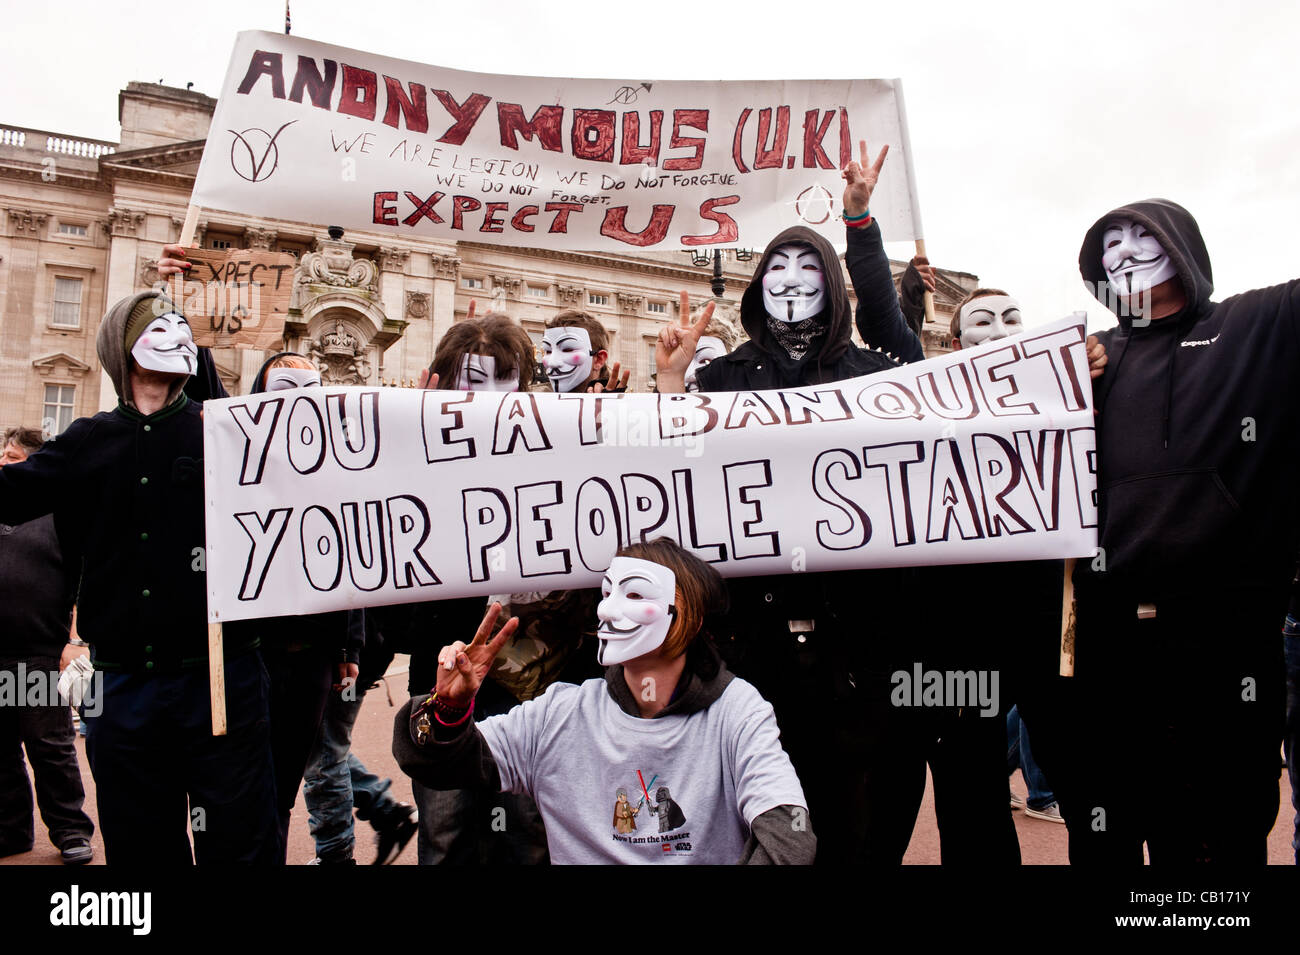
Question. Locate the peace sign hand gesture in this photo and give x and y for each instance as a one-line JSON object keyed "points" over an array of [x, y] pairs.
{"points": [[861, 180], [676, 347], [461, 668]]}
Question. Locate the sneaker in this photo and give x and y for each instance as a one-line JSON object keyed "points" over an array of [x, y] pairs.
{"points": [[77, 852], [319, 861], [1017, 801], [1050, 813], [396, 832]]}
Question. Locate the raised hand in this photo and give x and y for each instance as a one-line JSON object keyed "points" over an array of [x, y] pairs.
{"points": [[676, 347], [861, 180], [461, 667], [614, 385], [428, 381]]}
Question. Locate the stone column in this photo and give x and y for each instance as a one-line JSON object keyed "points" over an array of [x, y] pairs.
{"points": [[122, 227]]}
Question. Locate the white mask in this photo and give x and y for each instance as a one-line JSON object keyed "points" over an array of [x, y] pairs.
{"points": [[794, 285], [706, 350], [1133, 258], [479, 373], [282, 379], [988, 318], [166, 345], [637, 610], [566, 354]]}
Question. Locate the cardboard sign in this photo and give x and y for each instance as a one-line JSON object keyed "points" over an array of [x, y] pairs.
{"points": [[332, 498], [312, 132], [235, 297]]}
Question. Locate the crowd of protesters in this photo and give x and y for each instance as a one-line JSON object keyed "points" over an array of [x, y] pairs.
{"points": [[756, 712]]}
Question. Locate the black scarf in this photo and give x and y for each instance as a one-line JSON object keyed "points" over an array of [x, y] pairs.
{"points": [[797, 337]]}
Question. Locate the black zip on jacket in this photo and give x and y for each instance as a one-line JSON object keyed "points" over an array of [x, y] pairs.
{"points": [[1198, 428]]}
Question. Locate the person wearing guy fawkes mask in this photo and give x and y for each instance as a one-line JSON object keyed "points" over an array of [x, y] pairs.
{"points": [[1178, 616], [965, 630], [818, 645], [126, 489], [305, 655]]}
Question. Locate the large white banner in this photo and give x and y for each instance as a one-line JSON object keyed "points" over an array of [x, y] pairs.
{"points": [[331, 498], [323, 134]]}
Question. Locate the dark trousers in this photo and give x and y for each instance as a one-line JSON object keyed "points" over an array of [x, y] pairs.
{"points": [[46, 733], [1176, 729], [300, 688], [160, 773]]}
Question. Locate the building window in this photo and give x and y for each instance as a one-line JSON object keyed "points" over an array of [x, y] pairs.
{"points": [[219, 243], [657, 308], [72, 228], [595, 298], [67, 303], [471, 283], [538, 292], [57, 412]]}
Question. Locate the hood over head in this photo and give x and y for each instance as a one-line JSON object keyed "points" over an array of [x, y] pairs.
{"points": [[110, 343], [837, 313], [1178, 234]]}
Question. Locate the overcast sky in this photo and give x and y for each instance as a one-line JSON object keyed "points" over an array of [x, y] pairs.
{"points": [[1027, 124]]}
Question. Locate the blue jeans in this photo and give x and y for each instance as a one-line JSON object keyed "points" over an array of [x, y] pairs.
{"points": [[1020, 756], [1291, 739], [335, 782]]}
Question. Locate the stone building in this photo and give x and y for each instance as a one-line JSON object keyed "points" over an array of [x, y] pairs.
{"points": [[84, 222]]}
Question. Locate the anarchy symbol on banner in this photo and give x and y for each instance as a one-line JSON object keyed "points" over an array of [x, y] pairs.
{"points": [[628, 94], [254, 169], [813, 205]]}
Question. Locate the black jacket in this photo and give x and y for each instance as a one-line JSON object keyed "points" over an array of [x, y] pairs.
{"points": [[36, 592], [1198, 429], [126, 491], [825, 663], [760, 363]]}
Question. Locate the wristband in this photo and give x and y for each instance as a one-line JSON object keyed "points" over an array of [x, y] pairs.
{"points": [[858, 223], [862, 218], [439, 708]]}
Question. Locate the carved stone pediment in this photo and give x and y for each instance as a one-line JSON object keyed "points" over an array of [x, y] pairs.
{"points": [[61, 365], [569, 294]]}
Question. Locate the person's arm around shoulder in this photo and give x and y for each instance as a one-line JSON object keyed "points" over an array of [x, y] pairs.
{"points": [[768, 794]]}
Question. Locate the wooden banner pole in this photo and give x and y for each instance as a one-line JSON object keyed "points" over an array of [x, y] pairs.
{"points": [[216, 648], [1067, 620]]}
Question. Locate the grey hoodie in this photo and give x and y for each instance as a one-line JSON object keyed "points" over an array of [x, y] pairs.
{"points": [[110, 343]]}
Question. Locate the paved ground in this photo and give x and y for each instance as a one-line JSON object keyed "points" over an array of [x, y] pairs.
{"points": [[1041, 843]]}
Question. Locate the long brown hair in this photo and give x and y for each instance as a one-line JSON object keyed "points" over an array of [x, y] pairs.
{"points": [[493, 336], [700, 591]]}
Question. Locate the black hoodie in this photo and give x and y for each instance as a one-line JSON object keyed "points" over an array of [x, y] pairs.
{"points": [[1198, 428], [761, 363]]}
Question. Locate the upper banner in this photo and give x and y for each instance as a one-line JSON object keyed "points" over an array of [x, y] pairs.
{"points": [[330, 498], [322, 134]]}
